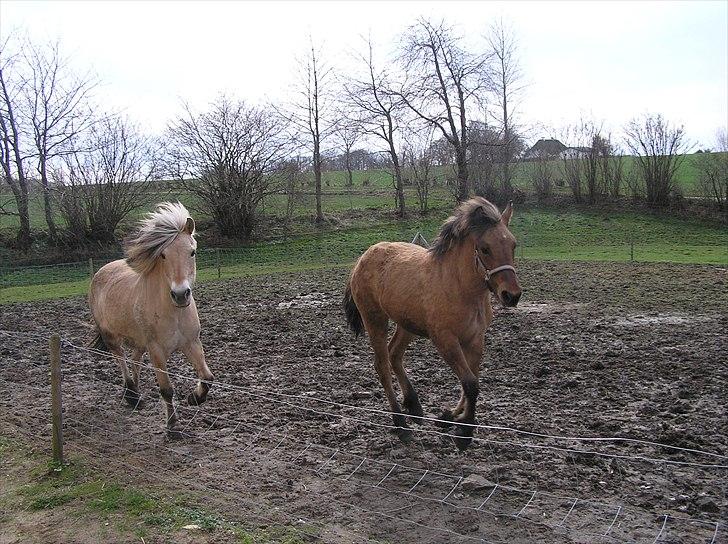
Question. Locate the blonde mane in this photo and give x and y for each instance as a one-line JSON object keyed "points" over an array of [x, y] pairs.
{"points": [[156, 231]]}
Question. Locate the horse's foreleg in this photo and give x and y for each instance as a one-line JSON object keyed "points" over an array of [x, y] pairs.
{"points": [[397, 346], [377, 331], [453, 354], [194, 352], [159, 361]]}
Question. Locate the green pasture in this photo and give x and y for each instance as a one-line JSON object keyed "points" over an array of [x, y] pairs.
{"points": [[112, 510], [542, 234], [371, 190]]}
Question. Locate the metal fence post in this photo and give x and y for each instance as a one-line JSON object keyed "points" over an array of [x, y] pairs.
{"points": [[217, 260], [91, 267], [56, 405]]}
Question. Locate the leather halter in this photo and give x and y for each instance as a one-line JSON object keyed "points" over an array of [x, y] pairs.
{"points": [[489, 273]]}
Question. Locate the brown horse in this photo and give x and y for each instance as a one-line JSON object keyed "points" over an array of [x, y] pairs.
{"points": [[145, 301], [442, 293]]}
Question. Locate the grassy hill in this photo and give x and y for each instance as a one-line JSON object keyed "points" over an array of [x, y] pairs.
{"points": [[372, 190]]}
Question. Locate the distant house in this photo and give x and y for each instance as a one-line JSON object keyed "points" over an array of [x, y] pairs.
{"points": [[554, 149], [545, 149]]}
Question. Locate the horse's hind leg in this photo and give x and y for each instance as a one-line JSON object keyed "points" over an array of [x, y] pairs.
{"points": [[117, 351], [397, 346], [376, 327], [131, 391], [194, 352]]}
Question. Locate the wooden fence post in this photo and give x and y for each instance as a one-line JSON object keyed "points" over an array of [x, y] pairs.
{"points": [[217, 259], [91, 267], [56, 404], [631, 247]]}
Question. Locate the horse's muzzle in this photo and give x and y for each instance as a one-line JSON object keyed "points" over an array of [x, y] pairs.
{"points": [[510, 299], [181, 297]]}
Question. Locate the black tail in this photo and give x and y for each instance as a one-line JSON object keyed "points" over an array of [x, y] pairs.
{"points": [[97, 342], [353, 317]]}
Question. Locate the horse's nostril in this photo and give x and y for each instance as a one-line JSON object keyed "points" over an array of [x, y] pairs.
{"points": [[188, 292], [171, 293], [510, 299]]}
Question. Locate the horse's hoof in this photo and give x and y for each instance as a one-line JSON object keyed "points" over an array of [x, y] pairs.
{"points": [[133, 398], [404, 434], [446, 419], [175, 434], [194, 400], [415, 413], [462, 437]]}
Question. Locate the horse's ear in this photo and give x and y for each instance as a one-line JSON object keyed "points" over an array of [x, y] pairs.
{"points": [[506, 215], [189, 226]]}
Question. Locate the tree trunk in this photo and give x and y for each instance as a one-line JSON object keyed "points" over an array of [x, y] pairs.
{"points": [[401, 209], [20, 192], [350, 174], [52, 231], [462, 166], [317, 175]]}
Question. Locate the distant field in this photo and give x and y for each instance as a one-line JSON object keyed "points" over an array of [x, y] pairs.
{"points": [[542, 234], [377, 194]]}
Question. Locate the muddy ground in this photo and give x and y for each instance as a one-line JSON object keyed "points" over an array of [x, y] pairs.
{"points": [[593, 350]]}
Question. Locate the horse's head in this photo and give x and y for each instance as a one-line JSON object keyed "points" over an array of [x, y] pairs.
{"points": [[495, 249], [165, 246], [178, 265]]}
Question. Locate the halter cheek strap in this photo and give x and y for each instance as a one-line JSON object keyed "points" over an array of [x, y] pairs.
{"points": [[489, 273]]}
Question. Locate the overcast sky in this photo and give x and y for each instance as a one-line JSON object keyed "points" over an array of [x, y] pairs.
{"points": [[609, 60]]}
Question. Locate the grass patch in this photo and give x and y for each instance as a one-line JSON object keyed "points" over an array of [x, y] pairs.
{"points": [[547, 234], [77, 490]]}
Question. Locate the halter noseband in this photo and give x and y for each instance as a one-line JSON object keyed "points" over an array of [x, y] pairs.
{"points": [[489, 273]]}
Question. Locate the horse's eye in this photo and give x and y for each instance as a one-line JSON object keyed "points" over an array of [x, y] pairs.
{"points": [[193, 253], [485, 250]]}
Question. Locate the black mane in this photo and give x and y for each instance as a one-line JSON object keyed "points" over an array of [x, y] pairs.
{"points": [[472, 216]]}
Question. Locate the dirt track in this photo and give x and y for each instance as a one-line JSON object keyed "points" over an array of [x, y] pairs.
{"points": [[593, 350]]}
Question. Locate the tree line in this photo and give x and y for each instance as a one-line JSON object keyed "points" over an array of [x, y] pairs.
{"points": [[439, 100]]}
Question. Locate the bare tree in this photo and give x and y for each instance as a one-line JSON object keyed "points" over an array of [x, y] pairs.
{"points": [[105, 178], [419, 160], [659, 149], [506, 80], [713, 173], [378, 112], [12, 153], [56, 105], [228, 157], [443, 82], [583, 161], [347, 134], [542, 177], [311, 110], [611, 166], [484, 153]]}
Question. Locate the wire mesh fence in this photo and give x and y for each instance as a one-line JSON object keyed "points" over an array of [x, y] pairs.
{"points": [[250, 459]]}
